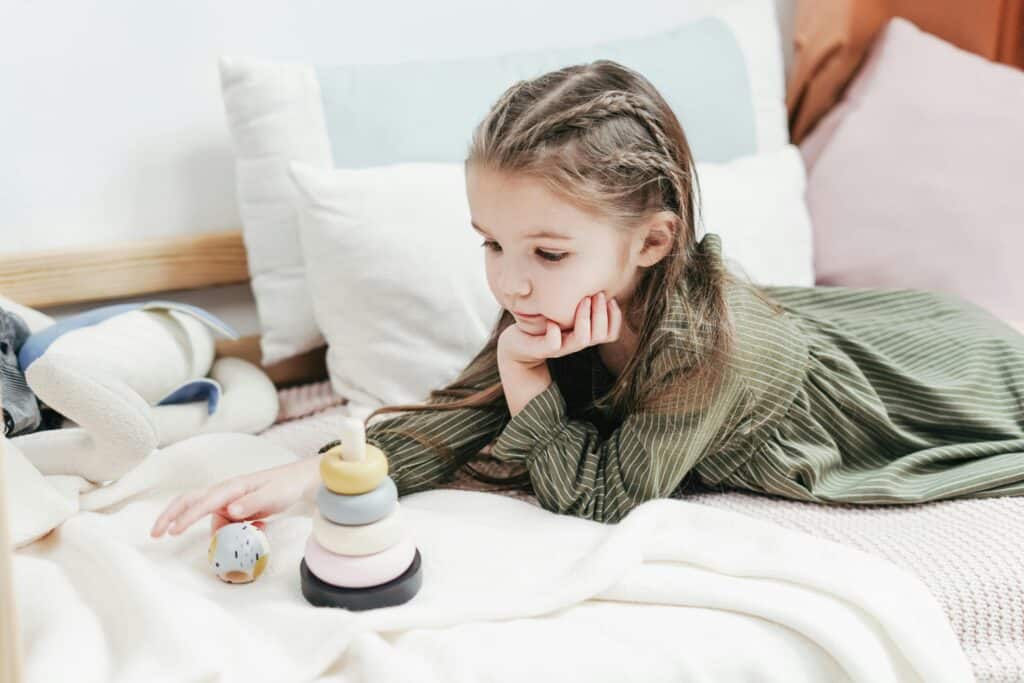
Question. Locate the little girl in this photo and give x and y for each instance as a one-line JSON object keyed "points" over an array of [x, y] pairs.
{"points": [[628, 357]]}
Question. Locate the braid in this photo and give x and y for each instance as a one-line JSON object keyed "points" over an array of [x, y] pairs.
{"points": [[667, 167], [602, 107], [500, 110], [586, 114]]}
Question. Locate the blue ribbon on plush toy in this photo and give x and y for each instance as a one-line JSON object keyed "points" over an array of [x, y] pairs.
{"points": [[21, 410]]}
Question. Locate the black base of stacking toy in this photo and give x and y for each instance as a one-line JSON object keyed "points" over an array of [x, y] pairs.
{"points": [[395, 592]]}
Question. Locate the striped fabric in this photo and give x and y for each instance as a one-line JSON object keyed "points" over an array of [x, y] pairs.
{"points": [[850, 395], [909, 396]]}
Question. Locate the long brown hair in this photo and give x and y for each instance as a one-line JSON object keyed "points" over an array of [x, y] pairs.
{"points": [[600, 136]]}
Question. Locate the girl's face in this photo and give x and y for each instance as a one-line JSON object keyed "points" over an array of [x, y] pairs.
{"points": [[545, 274]]}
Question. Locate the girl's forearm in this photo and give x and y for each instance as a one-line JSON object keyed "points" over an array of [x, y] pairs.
{"points": [[522, 382]]}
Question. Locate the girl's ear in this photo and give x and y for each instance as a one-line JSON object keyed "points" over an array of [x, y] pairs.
{"points": [[658, 234]]}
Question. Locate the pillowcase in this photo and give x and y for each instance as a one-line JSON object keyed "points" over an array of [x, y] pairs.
{"points": [[915, 179], [756, 205], [721, 73], [397, 275]]}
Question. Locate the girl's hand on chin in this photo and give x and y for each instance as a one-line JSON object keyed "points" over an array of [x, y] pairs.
{"points": [[598, 321]]}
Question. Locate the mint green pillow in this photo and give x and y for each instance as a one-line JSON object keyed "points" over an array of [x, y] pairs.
{"points": [[426, 110]]}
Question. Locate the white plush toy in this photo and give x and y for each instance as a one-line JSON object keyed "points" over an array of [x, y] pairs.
{"points": [[130, 379]]}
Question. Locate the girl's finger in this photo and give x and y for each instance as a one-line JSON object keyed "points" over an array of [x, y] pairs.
{"points": [[599, 328], [173, 509], [252, 505], [614, 319], [561, 345], [215, 499], [553, 337], [571, 339], [581, 334], [537, 345], [217, 520]]}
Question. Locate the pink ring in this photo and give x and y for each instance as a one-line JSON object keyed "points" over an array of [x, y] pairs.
{"points": [[361, 571]]}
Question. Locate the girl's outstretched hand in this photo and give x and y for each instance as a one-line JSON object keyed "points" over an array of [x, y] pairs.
{"points": [[598, 321], [250, 496]]}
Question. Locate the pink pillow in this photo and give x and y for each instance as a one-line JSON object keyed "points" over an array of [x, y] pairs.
{"points": [[916, 178]]}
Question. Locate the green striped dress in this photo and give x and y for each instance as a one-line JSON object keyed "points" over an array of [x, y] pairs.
{"points": [[850, 395]]}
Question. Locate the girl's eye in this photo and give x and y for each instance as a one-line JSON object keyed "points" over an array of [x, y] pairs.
{"points": [[546, 255], [550, 256]]}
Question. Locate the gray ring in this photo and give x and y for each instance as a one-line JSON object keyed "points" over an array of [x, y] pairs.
{"points": [[358, 509]]}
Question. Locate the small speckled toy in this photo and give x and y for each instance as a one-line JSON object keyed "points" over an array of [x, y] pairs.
{"points": [[239, 552], [360, 555]]}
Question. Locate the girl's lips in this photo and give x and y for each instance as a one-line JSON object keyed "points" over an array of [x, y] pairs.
{"points": [[525, 315]]}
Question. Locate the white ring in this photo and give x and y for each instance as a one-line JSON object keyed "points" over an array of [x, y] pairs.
{"points": [[364, 539]]}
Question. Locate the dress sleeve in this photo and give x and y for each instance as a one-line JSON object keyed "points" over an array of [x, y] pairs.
{"points": [[424, 448], [573, 471]]}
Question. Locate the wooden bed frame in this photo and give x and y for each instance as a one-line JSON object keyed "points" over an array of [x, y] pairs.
{"points": [[93, 275]]}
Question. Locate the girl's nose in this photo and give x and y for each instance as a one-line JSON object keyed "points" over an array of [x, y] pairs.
{"points": [[515, 286]]}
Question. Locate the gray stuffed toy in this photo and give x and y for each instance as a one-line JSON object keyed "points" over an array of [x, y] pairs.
{"points": [[21, 407]]}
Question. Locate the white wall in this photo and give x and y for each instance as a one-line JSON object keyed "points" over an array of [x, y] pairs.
{"points": [[111, 121]]}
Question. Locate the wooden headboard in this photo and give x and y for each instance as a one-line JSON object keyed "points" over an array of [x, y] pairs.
{"points": [[148, 267]]}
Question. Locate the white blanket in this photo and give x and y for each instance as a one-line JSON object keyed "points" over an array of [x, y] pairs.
{"points": [[676, 591]]}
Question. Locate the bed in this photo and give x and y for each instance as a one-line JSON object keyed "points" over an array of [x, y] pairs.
{"points": [[751, 586], [100, 600], [756, 588], [705, 586]]}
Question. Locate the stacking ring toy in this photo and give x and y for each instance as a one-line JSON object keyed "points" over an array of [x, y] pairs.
{"points": [[359, 540], [342, 473], [364, 508], [394, 592], [359, 572]]}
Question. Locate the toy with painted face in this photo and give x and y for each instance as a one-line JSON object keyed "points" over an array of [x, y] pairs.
{"points": [[239, 552]]}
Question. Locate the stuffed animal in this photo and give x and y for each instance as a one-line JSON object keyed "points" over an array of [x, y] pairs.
{"points": [[129, 379]]}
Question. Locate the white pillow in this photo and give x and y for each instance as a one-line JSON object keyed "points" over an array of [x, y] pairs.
{"points": [[398, 281], [397, 277], [757, 205], [721, 69]]}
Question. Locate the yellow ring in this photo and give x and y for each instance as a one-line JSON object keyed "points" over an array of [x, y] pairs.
{"points": [[353, 477]]}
